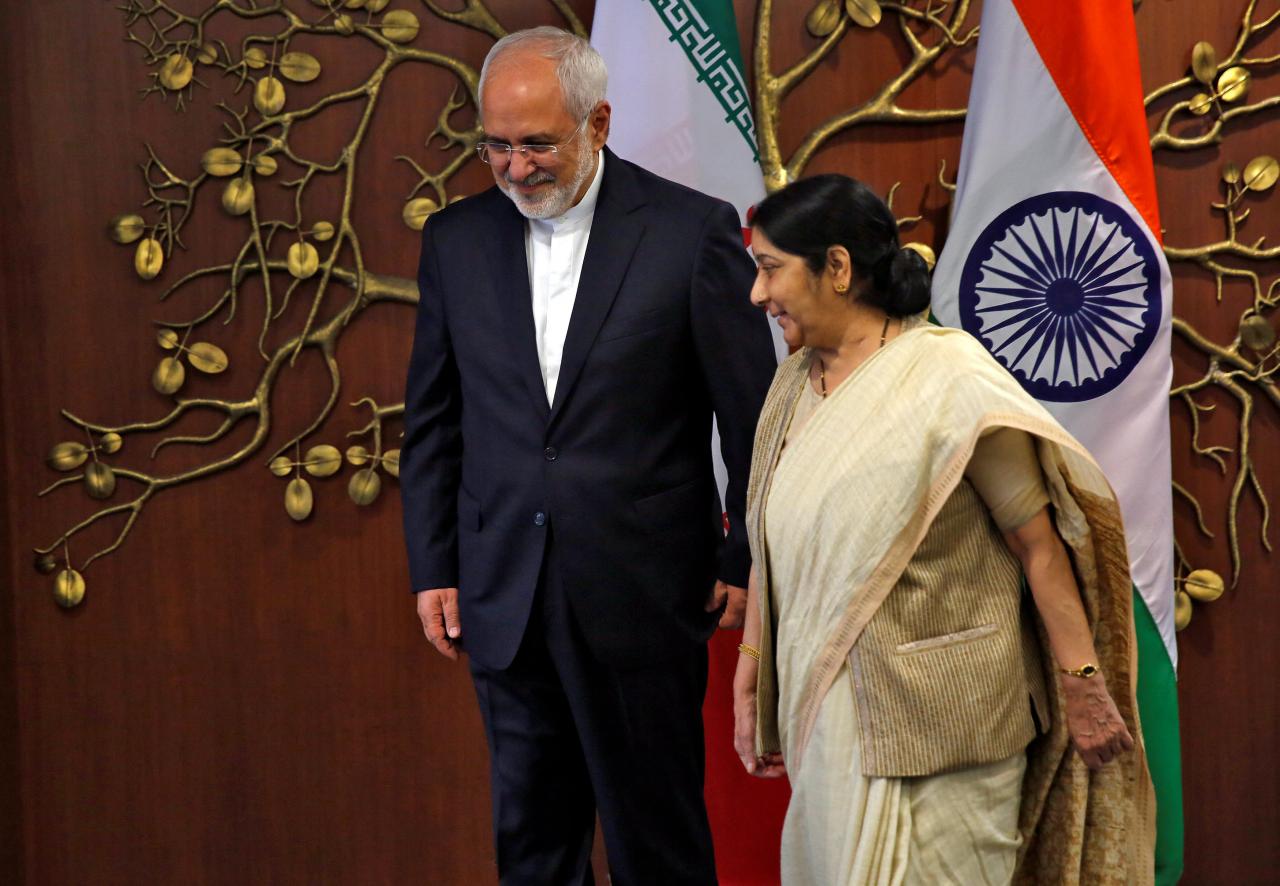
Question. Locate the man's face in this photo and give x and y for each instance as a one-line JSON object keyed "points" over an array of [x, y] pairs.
{"points": [[523, 105]]}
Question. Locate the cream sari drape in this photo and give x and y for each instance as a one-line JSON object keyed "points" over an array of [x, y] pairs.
{"points": [[858, 488]]}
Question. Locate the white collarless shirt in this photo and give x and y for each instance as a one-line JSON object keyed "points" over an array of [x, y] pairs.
{"points": [[554, 248]]}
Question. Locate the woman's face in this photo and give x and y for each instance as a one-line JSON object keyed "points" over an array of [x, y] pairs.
{"points": [[804, 304]]}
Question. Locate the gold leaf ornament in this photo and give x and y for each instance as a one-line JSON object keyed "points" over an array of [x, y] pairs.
{"points": [[208, 357], [298, 500], [1181, 610], [167, 339], [265, 164], [67, 456], [176, 72], [865, 13], [1261, 173], [1257, 333], [208, 54], [127, 228], [110, 442], [99, 480], [1204, 585], [148, 259], [1200, 104], [255, 57], [322, 231], [68, 588], [1233, 85], [169, 376], [417, 211], [344, 25], [1231, 173], [281, 466], [303, 260], [300, 67], [221, 161], [1204, 62], [823, 19], [391, 461], [237, 198], [357, 455], [365, 486], [323, 460], [400, 26], [268, 96]]}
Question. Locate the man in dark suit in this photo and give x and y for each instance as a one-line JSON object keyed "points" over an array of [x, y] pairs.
{"points": [[579, 325]]}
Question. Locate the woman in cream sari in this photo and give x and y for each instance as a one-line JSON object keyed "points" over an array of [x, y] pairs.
{"points": [[939, 722]]}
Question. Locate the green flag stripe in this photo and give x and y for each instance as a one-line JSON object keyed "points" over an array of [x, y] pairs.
{"points": [[1158, 709], [708, 34]]}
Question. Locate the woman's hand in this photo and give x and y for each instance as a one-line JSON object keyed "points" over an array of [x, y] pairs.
{"points": [[744, 723], [1097, 730]]}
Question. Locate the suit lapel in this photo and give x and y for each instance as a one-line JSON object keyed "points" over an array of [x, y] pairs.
{"points": [[615, 234], [510, 275]]}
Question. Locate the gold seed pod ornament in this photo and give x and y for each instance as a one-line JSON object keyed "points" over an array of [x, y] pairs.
{"points": [[1231, 173], [67, 456], [364, 486], [268, 96], [237, 198], [344, 25], [865, 13], [391, 461], [169, 376], [167, 339], [400, 26], [221, 161], [265, 164], [1204, 62], [99, 480], [1204, 585], [281, 466], [148, 259], [323, 460], [300, 67], [1181, 610], [357, 455], [1256, 333], [46, 563], [68, 588], [416, 211], [823, 19], [255, 57], [298, 500], [1233, 85], [303, 260], [176, 72], [125, 229], [208, 54], [322, 231], [208, 358], [111, 442], [1200, 104], [1261, 173]]}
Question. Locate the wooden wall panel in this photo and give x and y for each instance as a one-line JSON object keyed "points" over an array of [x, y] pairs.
{"points": [[244, 700]]}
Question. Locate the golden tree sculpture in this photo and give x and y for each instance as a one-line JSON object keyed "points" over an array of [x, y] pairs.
{"points": [[1194, 113], [292, 254]]}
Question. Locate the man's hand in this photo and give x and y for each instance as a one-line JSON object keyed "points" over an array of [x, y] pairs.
{"points": [[438, 611], [734, 600]]}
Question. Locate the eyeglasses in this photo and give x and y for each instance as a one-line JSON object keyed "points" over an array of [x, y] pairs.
{"points": [[500, 152]]}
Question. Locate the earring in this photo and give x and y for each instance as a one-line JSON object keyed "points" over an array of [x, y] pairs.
{"points": [[841, 287]]}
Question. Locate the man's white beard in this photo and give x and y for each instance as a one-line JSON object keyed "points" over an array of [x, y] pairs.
{"points": [[559, 198]]}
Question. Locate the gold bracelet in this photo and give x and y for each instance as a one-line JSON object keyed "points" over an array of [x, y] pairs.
{"points": [[749, 650]]}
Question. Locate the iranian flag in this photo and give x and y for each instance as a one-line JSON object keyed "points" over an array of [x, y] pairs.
{"points": [[681, 109], [1053, 262]]}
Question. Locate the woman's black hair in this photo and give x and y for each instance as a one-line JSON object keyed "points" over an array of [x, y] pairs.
{"points": [[808, 217]]}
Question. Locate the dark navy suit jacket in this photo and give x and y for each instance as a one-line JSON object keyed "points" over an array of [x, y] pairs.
{"points": [[617, 472]]}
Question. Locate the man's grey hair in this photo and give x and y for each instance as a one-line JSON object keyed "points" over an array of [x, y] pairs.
{"points": [[581, 70]]}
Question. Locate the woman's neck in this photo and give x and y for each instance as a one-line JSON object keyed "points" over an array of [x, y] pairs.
{"points": [[864, 332]]}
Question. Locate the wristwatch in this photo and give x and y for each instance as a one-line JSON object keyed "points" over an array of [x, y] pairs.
{"points": [[1086, 670]]}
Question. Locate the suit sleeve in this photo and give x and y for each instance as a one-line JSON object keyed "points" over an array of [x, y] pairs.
{"points": [[737, 361], [431, 456]]}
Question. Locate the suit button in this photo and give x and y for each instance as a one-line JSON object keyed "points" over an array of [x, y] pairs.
{"points": [[550, 453], [540, 519]]}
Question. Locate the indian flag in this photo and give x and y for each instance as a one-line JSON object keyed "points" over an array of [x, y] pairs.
{"points": [[1053, 261], [681, 109]]}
